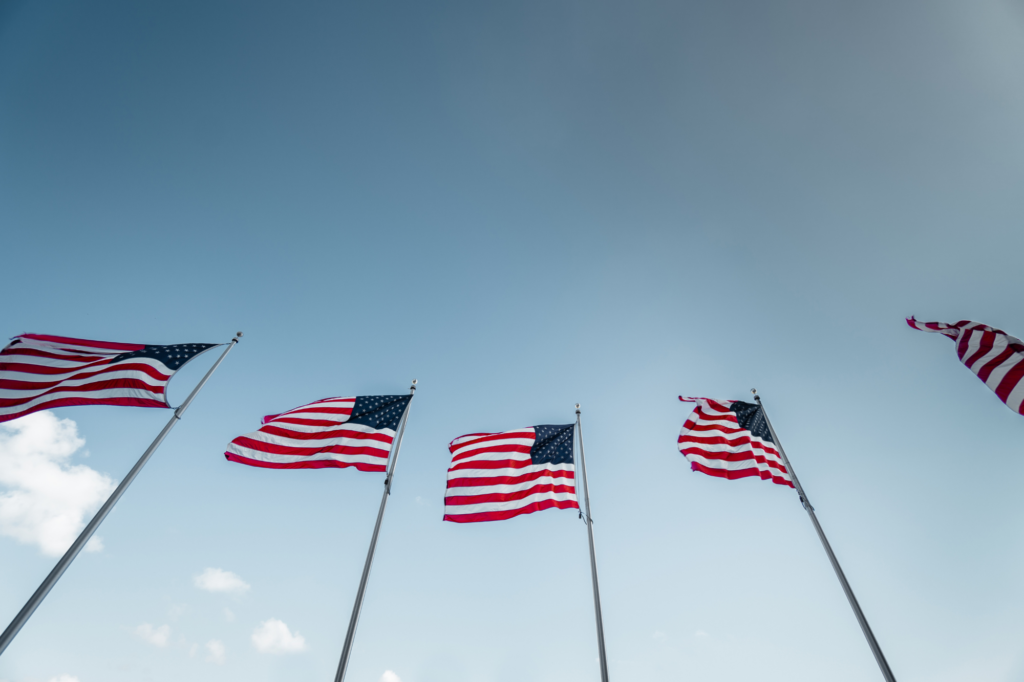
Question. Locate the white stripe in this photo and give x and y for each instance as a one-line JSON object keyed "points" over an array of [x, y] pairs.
{"points": [[769, 452], [1016, 397], [272, 439], [454, 474], [95, 395], [493, 444], [740, 465], [495, 457], [77, 383], [459, 509], [313, 428], [101, 369], [325, 416], [1000, 372], [460, 491], [998, 347], [974, 338], [289, 459]]}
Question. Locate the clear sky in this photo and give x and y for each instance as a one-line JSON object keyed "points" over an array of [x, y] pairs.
{"points": [[523, 206]]}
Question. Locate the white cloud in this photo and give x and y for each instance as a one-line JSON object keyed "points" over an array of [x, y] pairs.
{"points": [[44, 499], [157, 636], [64, 678], [218, 580], [390, 676], [216, 649], [274, 637]]}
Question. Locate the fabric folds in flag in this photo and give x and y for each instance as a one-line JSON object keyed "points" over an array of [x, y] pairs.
{"points": [[40, 372], [330, 433], [496, 476], [993, 355], [730, 439]]}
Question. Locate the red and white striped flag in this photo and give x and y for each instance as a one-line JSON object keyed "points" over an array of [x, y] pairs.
{"points": [[730, 439], [992, 354], [496, 476], [39, 372], [330, 433]]}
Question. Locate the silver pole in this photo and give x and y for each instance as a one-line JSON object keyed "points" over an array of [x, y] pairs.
{"points": [[346, 650], [870, 636], [36, 599], [593, 555]]}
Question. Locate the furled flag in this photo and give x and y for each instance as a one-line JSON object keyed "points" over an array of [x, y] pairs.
{"points": [[39, 372], [334, 432], [496, 476], [995, 356], [730, 439]]}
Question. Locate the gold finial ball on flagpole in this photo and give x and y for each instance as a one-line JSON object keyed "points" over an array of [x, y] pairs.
{"points": [[239, 334], [754, 391]]}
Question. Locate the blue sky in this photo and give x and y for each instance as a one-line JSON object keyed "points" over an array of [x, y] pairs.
{"points": [[525, 206]]}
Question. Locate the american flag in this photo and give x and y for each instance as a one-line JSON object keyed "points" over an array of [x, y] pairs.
{"points": [[39, 372], [334, 432], [496, 476], [995, 356], [730, 439]]}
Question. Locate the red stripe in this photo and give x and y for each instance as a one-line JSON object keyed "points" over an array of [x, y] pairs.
{"points": [[492, 464], [106, 345], [1010, 381], [306, 422], [30, 352], [985, 371], [742, 473], [509, 480], [487, 437], [18, 384], [524, 449], [484, 498], [340, 432], [69, 402], [313, 464], [272, 449], [126, 384], [127, 366], [508, 514]]}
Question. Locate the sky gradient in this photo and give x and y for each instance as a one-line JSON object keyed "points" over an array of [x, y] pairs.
{"points": [[525, 206]]}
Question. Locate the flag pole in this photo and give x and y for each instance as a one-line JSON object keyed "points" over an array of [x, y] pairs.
{"points": [[36, 599], [346, 650], [872, 642], [593, 555]]}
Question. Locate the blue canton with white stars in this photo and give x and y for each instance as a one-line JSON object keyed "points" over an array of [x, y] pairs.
{"points": [[553, 444], [172, 356], [379, 411], [751, 418]]}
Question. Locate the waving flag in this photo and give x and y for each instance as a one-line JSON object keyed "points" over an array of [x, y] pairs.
{"points": [[992, 354], [496, 476], [334, 432], [730, 439], [39, 372]]}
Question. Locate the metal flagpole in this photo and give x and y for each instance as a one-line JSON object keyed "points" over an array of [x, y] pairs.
{"points": [[875, 649], [593, 555], [69, 556], [350, 636]]}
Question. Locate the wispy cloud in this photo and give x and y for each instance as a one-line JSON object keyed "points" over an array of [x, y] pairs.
{"points": [[64, 678], [219, 580], [274, 637], [215, 649], [44, 499], [157, 636], [390, 676]]}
